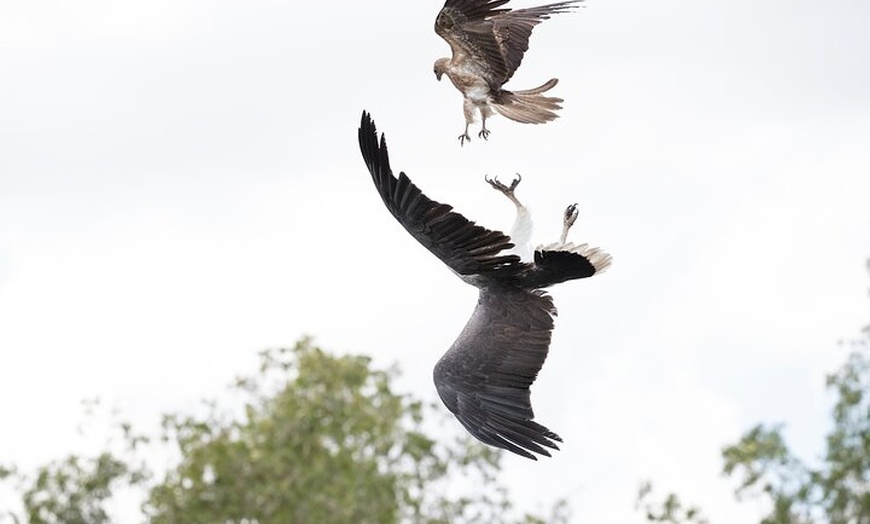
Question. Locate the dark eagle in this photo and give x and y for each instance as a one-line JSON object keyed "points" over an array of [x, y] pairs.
{"points": [[488, 46], [484, 377]]}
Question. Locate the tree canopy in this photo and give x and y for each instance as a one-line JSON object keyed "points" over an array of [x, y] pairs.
{"points": [[313, 437], [834, 490]]}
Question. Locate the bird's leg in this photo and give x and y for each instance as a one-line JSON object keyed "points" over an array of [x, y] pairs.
{"points": [[508, 191], [521, 232], [468, 109], [570, 217], [484, 132], [464, 136]]}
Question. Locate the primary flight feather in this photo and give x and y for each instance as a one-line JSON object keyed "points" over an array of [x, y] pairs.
{"points": [[485, 376]]}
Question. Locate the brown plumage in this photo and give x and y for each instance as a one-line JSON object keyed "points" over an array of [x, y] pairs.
{"points": [[488, 45], [485, 376]]}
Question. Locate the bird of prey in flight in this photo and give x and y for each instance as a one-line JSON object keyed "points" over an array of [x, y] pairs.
{"points": [[485, 376], [488, 44]]}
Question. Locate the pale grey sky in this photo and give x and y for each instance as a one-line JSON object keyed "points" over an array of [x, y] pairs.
{"points": [[180, 187]]}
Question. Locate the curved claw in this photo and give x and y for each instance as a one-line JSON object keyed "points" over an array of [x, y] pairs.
{"points": [[571, 214], [507, 190], [484, 134], [463, 138]]}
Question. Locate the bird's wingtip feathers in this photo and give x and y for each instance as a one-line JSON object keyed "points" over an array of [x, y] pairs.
{"points": [[366, 123]]}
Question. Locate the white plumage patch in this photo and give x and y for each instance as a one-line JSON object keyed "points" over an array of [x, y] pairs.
{"points": [[521, 235]]}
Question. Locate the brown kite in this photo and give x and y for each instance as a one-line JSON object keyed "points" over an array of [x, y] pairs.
{"points": [[488, 46]]}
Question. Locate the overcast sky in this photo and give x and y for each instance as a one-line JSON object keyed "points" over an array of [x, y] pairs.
{"points": [[181, 187]]}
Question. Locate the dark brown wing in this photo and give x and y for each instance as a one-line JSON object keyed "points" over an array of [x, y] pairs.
{"points": [[468, 249], [559, 262], [512, 30], [484, 378], [466, 26]]}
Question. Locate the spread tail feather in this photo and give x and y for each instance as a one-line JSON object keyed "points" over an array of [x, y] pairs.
{"points": [[529, 106]]}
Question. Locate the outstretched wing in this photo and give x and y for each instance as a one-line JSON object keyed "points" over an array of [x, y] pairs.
{"points": [[512, 30], [466, 26], [494, 40], [559, 262], [484, 378], [468, 249]]}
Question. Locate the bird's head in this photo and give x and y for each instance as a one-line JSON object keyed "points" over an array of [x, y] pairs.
{"points": [[440, 67]]}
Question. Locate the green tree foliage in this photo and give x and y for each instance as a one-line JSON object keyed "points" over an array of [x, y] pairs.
{"points": [[837, 491], [834, 491], [74, 490], [313, 437], [671, 510]]}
